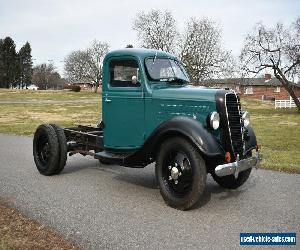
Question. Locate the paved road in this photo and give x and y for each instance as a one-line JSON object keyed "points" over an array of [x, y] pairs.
{"points": [[117, 208]]}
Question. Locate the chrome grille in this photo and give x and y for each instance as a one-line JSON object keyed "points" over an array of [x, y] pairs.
{"points": [[235, 125]]}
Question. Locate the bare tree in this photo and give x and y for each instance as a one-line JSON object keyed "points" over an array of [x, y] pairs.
{"points": [[76, 65], [45, 76], [201, 51], [86, 64], [277, 49], [156, 30]]}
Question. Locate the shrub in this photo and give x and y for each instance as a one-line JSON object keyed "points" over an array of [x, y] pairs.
{"points": [[75, 88]]}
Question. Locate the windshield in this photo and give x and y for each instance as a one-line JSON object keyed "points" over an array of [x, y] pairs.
{"points": [[165, 69]]}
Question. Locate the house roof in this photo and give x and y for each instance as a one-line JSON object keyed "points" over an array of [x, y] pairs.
{"points": [[246, 82]]}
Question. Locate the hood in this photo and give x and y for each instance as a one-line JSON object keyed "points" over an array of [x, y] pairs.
{"points": [[194, 102], [187, 93]]}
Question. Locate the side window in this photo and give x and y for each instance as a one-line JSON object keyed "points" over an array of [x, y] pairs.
{"points": [[124, 73]]}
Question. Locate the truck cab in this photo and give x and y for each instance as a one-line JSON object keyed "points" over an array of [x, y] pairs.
{"points": [[132, 109], [151, 113]]}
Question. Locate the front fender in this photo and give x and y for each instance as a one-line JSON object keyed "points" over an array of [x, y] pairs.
{"points": [[177, 126], [189, 128], [251, 142]]}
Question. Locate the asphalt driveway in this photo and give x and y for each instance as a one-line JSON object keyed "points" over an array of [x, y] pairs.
{"points": [[111, 207]]}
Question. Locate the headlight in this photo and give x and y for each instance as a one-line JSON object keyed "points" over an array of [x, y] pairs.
{"points": [[214, 120], [246, 119]]}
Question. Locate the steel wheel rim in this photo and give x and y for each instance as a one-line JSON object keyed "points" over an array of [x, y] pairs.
{"points": [[43, 150], [179, 183]]}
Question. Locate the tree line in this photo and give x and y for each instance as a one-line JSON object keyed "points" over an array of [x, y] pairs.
{"points": [[15, 66], [17, 71], [199, 47]]}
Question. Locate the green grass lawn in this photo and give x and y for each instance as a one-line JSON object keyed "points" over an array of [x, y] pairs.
{"points": [[52, 95], [23, 118], [277, 131]]}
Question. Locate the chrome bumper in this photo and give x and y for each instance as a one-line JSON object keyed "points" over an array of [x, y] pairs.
{"points": [[234, 168]]}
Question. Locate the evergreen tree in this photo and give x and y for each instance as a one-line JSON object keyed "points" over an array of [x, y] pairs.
{"points": [[25, 65], [8, 63]]}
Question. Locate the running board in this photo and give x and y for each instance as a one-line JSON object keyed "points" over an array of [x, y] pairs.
{"points": [[113, 158]]}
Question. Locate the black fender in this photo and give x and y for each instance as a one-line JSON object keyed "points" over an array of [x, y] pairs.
{"points": [[177, 126], [250, 140]]}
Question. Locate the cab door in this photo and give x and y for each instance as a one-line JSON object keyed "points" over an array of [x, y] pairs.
{"points": [[123, 104]]}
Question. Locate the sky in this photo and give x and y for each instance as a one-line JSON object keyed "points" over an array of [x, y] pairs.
{"points": [[55, 28]]}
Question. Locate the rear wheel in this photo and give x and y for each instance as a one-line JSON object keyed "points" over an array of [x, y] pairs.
{"points": [[46, 149], [63, 151], [181, 173]]}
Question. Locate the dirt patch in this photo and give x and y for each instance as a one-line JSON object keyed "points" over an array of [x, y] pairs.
{"points": [[19, 232]]}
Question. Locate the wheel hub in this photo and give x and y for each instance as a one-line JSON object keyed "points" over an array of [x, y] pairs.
{"points": [[178, 172], [174, 173]]}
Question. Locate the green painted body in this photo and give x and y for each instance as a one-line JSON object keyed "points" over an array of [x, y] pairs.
{"points": [[131, 114]]}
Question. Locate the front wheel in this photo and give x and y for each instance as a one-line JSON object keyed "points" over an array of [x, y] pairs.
{"points": [[229, 181], [180, 173]]}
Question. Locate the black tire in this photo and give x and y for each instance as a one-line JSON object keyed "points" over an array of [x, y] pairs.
{"points": [[63, 151], [230, 182], [46, 150], [191, 169]]}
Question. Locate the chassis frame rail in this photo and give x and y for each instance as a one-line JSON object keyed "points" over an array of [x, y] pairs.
{"points": [[83, 139]]}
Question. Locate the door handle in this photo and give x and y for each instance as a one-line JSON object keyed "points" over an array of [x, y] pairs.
{"points": [[106, 99]]}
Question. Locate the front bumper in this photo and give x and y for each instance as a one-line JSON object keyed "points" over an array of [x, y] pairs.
{"points": [[234, 168]]}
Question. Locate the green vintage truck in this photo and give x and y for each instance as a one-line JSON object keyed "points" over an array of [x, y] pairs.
{"points": [[152, 114]]}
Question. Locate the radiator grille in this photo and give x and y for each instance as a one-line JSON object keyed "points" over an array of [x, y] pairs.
{"points": [[233, 108]]}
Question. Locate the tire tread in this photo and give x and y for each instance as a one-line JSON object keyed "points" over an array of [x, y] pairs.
{"points": [[198, 186]]}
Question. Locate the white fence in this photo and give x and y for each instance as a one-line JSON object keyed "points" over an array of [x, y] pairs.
{"points": [[285, 104]]}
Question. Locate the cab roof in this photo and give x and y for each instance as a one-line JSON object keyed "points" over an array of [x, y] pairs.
{"points": [[139, 52]]}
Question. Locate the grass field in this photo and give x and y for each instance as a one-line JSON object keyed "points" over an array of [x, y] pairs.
{"points": [[22, 111], [278, 133]]}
